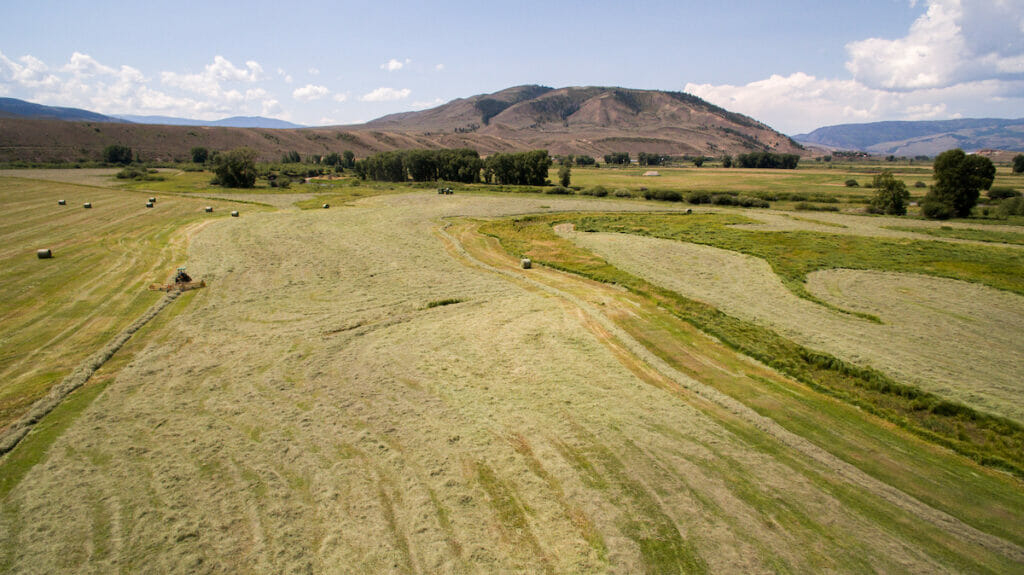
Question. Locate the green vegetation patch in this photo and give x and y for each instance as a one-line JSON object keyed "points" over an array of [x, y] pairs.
{"points": [[795, 254], [966, 234], [989, 440]]}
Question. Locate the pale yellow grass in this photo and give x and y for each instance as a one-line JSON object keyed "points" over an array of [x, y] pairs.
{"points": [[957, 339], [308, 412]]}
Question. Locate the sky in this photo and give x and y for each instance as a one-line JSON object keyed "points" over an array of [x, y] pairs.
{"points": [[796, 65]]}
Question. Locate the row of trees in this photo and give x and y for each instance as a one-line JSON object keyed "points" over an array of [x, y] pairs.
{"points": [[767, 160], [458, 165]]}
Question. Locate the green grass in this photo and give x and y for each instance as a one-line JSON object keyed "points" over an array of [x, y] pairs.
{"points": [[989, 440], [966, 234]]}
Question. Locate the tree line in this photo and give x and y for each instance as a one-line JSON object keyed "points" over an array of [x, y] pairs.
{"points": [[458, 165]]}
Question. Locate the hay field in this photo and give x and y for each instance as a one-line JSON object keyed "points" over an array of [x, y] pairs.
{"points": [[56, 312], [957, 339], [311, 412]]}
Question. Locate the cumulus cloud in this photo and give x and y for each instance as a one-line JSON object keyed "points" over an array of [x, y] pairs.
{"points": [[27, 72], [310, 92], [386, 95], [393, 65], [955, 41], [340, 97], [439, 67], [960, 58]]}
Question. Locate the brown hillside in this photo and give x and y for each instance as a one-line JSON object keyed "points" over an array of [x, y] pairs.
{"points": [[576, 120]]}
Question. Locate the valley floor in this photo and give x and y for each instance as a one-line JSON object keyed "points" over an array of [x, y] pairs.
{"points": [[377, 388]]}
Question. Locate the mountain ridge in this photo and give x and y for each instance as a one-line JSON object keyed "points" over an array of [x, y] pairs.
{"points": [[925, 137]]}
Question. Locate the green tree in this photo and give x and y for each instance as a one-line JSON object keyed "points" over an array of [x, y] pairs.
{"points": [[959, 179], [564, 175], [1018, 164], [891, 195], [199, 154], [291, 157], [117, 154], [348, 159], [698, 161], [236, 169], [727, 161]]}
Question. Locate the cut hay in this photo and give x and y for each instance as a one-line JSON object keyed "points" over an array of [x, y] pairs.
{"points": [[44, 254]]}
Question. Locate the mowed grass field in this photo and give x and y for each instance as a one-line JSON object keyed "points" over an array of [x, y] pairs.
{"points": [[380, 388]]}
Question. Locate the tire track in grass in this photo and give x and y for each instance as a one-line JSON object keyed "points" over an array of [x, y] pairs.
{"points": [[618, 337]]}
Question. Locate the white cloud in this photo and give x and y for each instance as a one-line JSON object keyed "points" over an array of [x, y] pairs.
{"points": [[310, 92], [955, 41], [386, 95], [422, 105], [393, 65], [29, 73], [959, 59], [439, 67], [284, 75], [313, 72], [340, 97]]}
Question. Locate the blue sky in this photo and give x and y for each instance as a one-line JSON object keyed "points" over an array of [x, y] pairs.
{"points": [[796, 65]]}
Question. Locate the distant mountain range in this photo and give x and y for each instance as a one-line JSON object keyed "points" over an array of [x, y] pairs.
{"points": [[927, 138], [232, 122], [14, 108]]}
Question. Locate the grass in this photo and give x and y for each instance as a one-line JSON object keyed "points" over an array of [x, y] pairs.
{"points": [[56, 312], [990, 440], [966, 234]]}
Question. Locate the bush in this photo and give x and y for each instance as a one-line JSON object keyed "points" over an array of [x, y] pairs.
{"points": [[698, 198], [852, 183], [559, 190], [663, 195], [596, 191], [236, 169], [1001, 193], [920, 184], [935, 209], [1012, 207], [117, 154], [623, 193], [891, 197]]}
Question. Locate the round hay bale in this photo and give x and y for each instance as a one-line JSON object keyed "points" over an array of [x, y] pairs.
{"points": [[234, 214], [527, 264], [44, 254], [61, 203], [689, 211], [327, 206], [152, 200], [209, 209], [149, 204], [87, 205]]}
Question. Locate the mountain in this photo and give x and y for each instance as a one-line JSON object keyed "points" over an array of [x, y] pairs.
{"points": [[576, 120], [12, 107], [590, 120], [232, 122], [927, 138]]}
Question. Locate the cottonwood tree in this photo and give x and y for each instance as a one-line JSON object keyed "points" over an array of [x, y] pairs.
{"points": [[959, 179], [891, 195], [236, 169]]}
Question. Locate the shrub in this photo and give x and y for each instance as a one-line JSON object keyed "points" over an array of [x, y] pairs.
{"points": [[804, 206], [559, 190], [936, 209], [597, 191], [663, 195], [852, 183], [1001, 193], [920, 184], [117, 154], [1012, 207], [623, 193], [698, 198]]}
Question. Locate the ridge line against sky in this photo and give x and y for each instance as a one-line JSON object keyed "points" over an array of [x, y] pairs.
{"points": [[795, 65]]}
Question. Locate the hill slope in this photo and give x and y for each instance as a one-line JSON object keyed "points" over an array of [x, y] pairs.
{"points": [[921, 138], [577, 120]]}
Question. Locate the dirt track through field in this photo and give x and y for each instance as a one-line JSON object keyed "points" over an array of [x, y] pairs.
{"points": [[310, 412]]}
